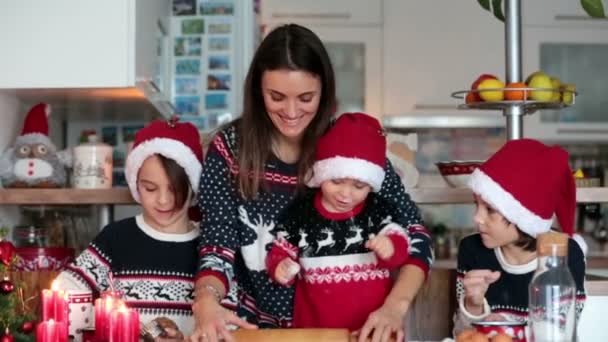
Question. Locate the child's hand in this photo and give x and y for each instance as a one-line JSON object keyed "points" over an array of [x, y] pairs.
{"points": [[381, 245], [286, 270], [476, 284]]}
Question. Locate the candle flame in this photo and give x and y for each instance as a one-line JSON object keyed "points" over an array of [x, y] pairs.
{"points": [[55, 285]]}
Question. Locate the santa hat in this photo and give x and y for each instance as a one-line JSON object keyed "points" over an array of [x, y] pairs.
{"points": [[36, 123], [354, 147], [528, 182], [171, 139]]}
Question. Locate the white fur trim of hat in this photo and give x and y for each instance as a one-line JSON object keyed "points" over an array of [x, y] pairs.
{"points": [[169, 148], [500, 199], [342, 167]]}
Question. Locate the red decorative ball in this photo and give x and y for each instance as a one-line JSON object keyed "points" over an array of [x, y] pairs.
{"points": [[6, 287], [7, 338], [27, 327]]}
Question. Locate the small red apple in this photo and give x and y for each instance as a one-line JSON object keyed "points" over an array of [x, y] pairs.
{"points": [[474, 97]]}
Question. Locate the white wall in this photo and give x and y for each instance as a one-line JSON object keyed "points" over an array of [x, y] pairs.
{"points": [[11, 123]]}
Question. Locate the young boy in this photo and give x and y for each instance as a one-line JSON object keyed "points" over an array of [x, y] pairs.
{"points": [[340, 238], [151, 256], [517, 191]]}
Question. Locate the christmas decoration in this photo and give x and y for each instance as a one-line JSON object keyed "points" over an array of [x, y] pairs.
{"points": [[16, 320], [34, 161], [6, 286]]}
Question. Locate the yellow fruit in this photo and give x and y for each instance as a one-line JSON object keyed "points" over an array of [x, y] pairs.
{"points": [[568, 96], [491, 95], [532, 75], [556, 84], [540, 80]]}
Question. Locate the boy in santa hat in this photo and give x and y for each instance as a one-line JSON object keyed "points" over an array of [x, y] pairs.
{"points": [[340, 238], [151, 258], [517, 191]]}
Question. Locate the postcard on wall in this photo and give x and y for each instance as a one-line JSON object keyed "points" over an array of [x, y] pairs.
{"points": [[187, 105], [219, 43], [128, 133], [184, 7], [216, 8], [187, 85], [221, 62], [200, 121], [187, 46], [193, 26], [215, 101], [188, 67], [219, 26], [218, 81]]}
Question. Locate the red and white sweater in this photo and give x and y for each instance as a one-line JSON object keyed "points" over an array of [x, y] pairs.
{"points": [[340, 282]]}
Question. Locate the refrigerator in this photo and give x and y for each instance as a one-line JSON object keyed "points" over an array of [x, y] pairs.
{"points": [[210, 48]]}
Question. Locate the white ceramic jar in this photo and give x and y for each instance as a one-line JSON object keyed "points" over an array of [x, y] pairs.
{"points": [[92, 165]]}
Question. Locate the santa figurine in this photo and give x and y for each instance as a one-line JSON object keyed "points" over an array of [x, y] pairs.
{"points": [[33, 161]]}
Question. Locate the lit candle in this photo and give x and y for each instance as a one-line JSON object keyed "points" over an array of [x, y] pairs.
{"points": [[55, 304], [103, 308], [124, 325], [52, 331]]}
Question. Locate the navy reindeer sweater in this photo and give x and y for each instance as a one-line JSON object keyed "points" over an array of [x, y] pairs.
{"points": [[154, 270]]}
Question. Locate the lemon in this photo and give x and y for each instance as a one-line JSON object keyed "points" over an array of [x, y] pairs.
{"points": [[540, 80], [491, 95]]}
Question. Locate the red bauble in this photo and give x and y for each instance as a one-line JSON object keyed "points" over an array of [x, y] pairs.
{"points": [[27, 327], [7, 252], [7, 337], [6, 287]]}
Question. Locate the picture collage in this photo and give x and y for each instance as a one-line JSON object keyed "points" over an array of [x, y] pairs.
{"points": [[203, 60]]}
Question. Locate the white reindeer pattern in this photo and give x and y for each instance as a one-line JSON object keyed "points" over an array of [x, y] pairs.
{"points": [[328, 241], [255, 253], [355, 239], [303, 243]]}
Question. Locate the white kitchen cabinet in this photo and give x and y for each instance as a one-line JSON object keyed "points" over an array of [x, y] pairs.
{"points": [[559, 13], [322, 12], [79, 43], [432, 48]]}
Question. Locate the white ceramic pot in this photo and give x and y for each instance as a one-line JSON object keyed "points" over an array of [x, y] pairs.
{"points": [[92, 165]]}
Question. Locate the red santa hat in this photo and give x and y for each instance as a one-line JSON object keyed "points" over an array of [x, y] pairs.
{"points": [[354, 147], [171, 139], [528, 182], [36, 124]]}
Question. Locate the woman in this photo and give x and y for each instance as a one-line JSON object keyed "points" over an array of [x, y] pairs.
{"points": [[252, 172]]}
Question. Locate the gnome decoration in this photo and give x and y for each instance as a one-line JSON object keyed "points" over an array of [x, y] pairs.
{"points": [[33, 161]]}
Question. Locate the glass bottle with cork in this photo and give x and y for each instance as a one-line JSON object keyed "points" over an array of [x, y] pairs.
{"points": [[552, 292]]}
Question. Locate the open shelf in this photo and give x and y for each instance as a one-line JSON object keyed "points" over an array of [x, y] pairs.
{"points": [[464, 195], [67, 196]]}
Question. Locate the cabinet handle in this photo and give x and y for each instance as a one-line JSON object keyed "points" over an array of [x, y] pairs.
{"points": [[304, 15], [582, 131], [574, 17]]}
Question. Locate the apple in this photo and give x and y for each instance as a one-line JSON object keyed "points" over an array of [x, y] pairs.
{"points": [[568, 95], [556, 84], [540, 80], [491, 95], [474, 97]]}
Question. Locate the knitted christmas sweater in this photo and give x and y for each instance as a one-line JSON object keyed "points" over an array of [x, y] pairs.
{"points": [[154, 270], [507, 296], [336, 267], [236, 234]]}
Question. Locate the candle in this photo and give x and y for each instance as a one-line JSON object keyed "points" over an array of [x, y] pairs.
{"points": [[124, 325], [52, 331], [55, 304], [103, 308]]}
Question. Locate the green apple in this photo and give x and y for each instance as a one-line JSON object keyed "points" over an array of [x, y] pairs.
{"points": [[540, 80], [556, 84]]}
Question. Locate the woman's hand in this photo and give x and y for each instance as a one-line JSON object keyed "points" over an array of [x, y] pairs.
{"points": [[476, 283], [384, 324], [211, 320]]}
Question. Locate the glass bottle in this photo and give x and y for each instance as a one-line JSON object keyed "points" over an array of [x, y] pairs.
{"points": [[552, 292]]}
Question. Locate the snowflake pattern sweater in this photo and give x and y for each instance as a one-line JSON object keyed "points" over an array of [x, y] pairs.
{"points": [[508, 296], [335, 264], [237, 234], [154, 270]]}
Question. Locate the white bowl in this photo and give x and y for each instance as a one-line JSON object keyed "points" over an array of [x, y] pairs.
{"points": [[457, 172]]}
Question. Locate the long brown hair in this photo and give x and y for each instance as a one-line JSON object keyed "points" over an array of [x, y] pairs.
{"points": [[288, 47], [178, 178]]}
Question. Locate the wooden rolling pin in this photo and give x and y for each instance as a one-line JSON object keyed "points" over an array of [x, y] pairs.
{"points": [[294, 335]]}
